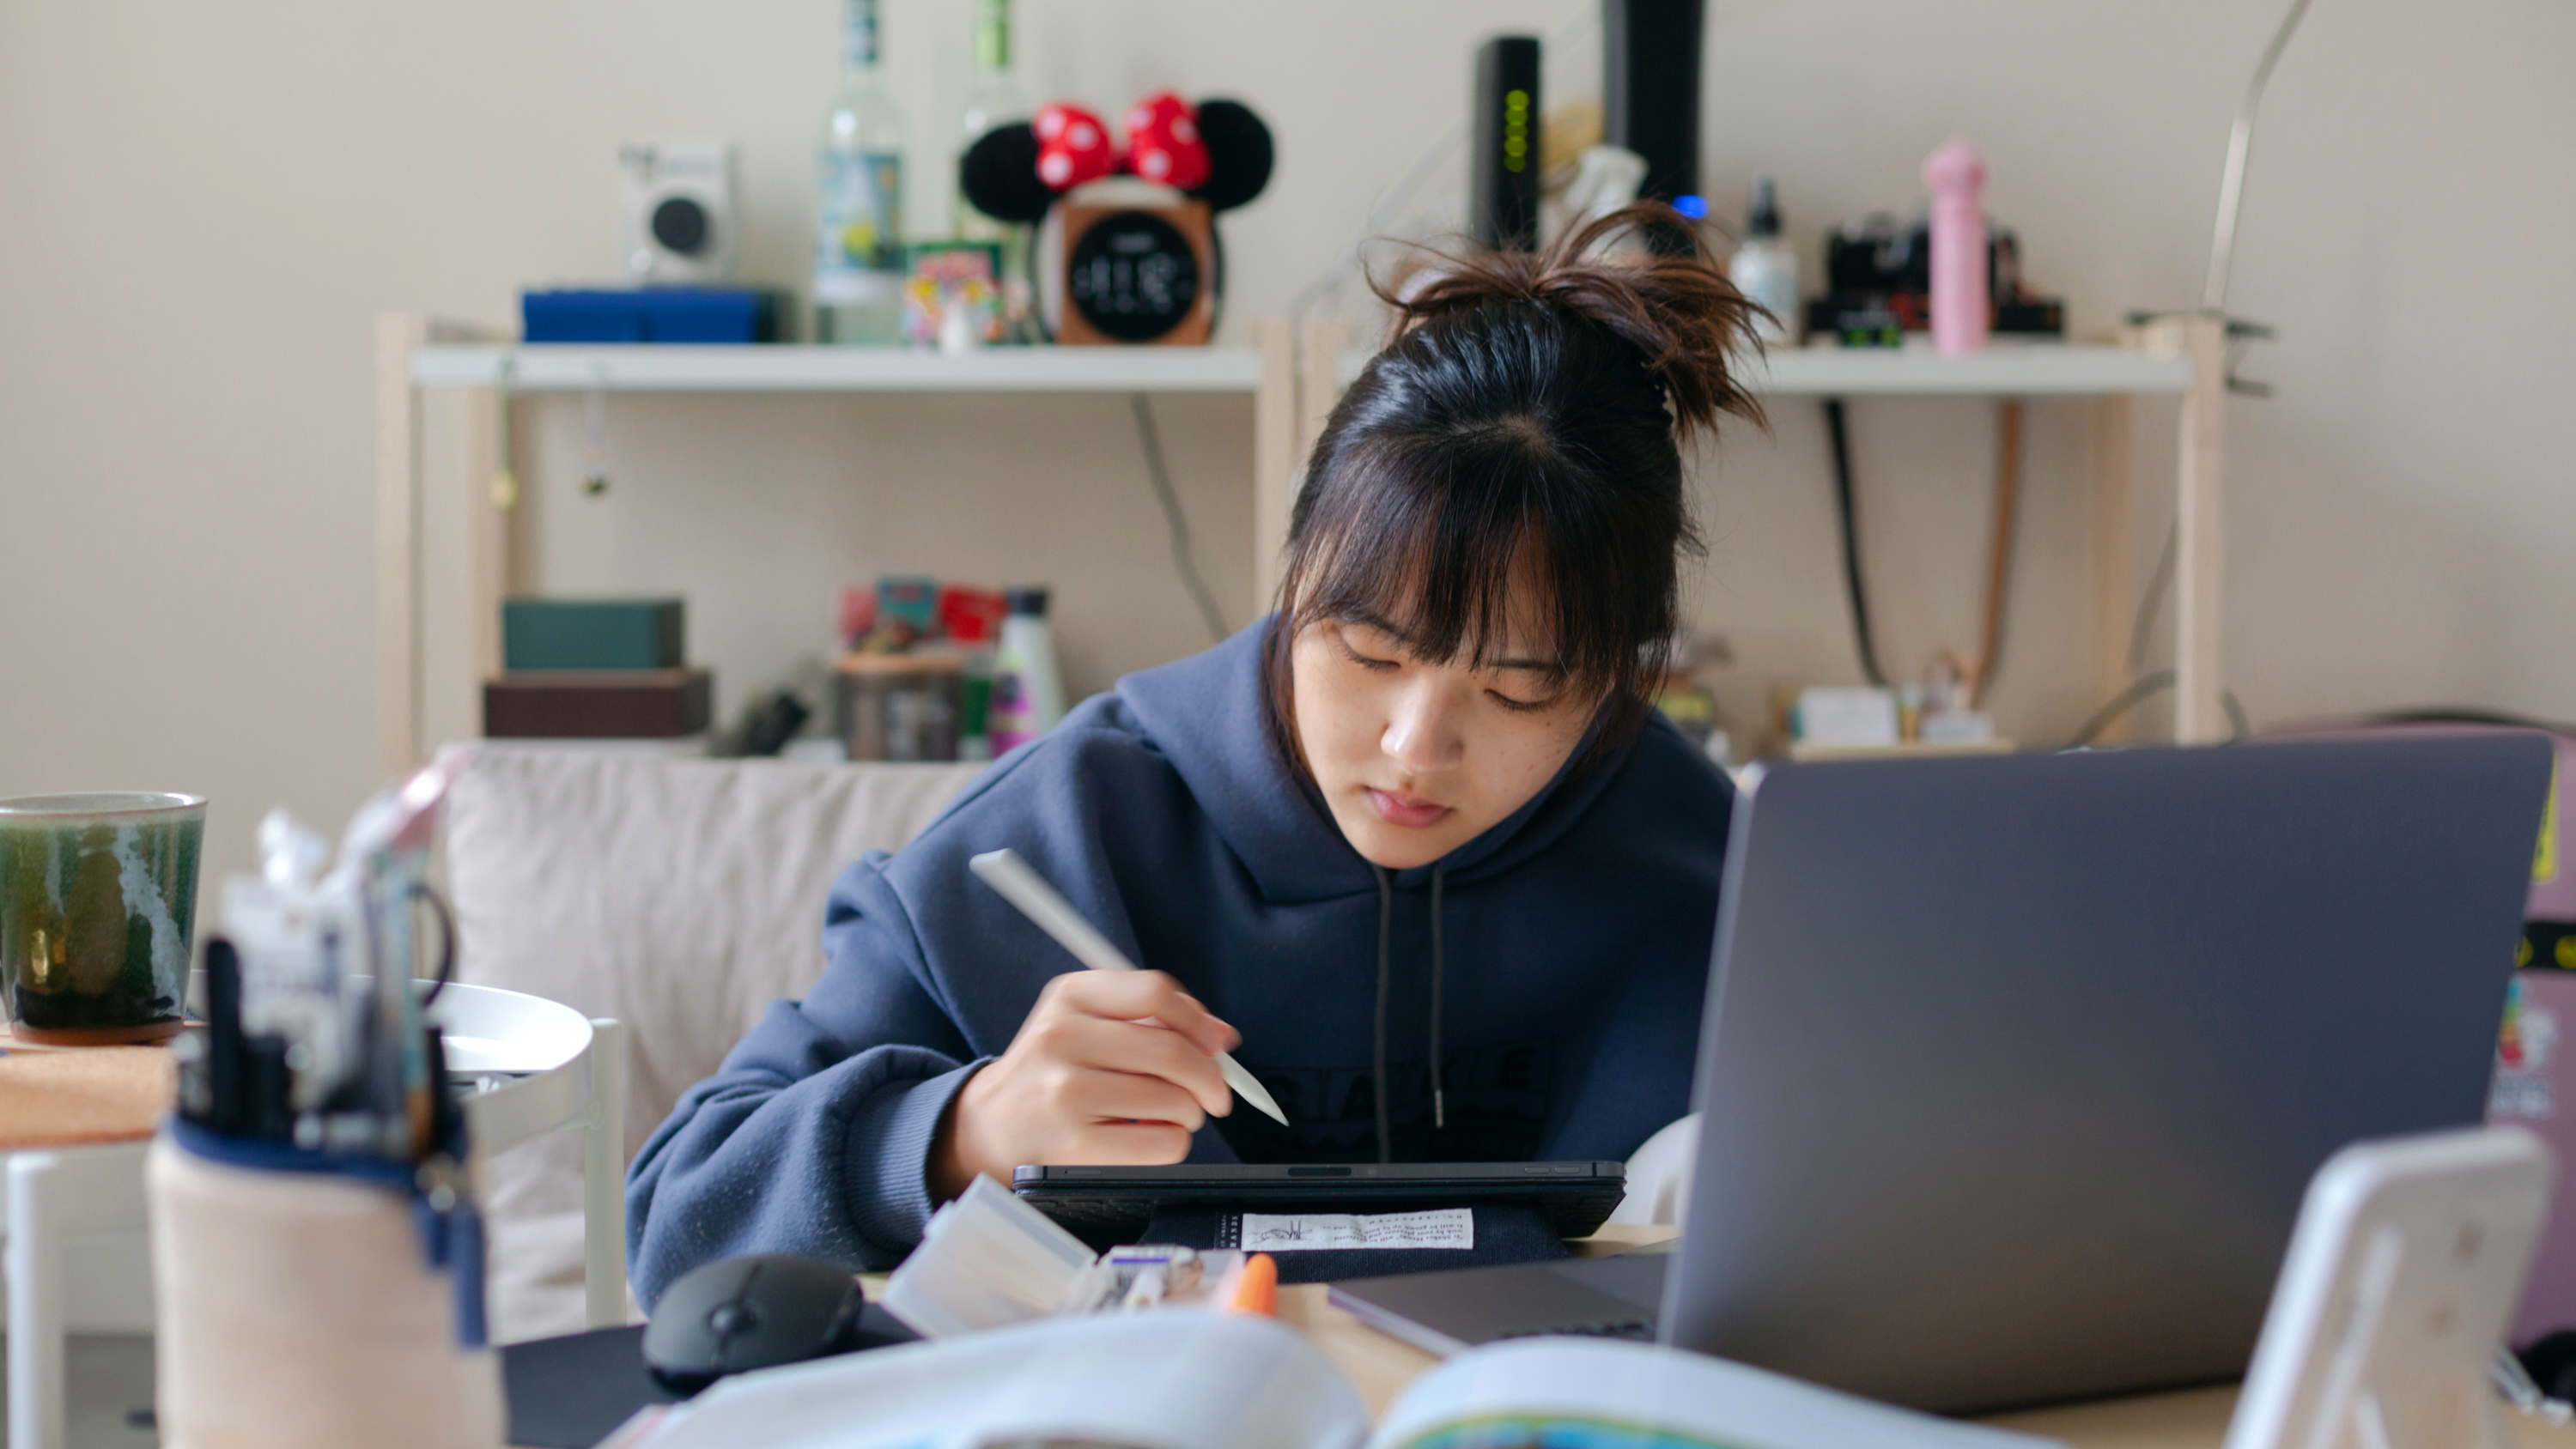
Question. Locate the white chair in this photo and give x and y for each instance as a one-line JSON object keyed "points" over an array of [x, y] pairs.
{"points": [[546, 1068], [538, 1066], [55, 1195]]}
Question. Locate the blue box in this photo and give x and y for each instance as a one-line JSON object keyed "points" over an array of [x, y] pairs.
{"points": [[699, 315]]}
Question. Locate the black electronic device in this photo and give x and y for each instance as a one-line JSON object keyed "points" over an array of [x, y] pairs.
{"points": [[759, 1312], [1113, 1204], [1502, 175], [1878, 285], [1650, 73]]}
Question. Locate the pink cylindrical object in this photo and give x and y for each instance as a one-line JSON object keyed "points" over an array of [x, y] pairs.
{"points": [[1956, 176]]}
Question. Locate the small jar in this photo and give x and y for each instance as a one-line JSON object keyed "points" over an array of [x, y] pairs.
{"points": [[901, 706]]}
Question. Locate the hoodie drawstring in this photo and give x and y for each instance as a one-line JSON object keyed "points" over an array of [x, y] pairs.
{"points": [[1385, 964], [1439, 1109], [1377, 1060]]}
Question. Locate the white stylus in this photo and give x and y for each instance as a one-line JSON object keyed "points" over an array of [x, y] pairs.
{"points": [[1004, 871]]}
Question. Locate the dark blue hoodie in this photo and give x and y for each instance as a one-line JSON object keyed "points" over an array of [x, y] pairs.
{"points": [[1572, 954]]}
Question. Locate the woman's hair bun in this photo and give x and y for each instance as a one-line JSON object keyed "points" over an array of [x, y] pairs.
{"points": [[1664, 295]]}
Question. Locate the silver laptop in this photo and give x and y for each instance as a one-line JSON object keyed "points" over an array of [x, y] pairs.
{"points": [[2014, 1069]]}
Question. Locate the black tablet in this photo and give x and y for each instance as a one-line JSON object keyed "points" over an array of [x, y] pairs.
{"points": [[1113, 1204]]}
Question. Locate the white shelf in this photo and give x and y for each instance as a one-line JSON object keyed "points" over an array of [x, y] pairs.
{"points": [[2010, 370], [2006, 370], [562, 368]]}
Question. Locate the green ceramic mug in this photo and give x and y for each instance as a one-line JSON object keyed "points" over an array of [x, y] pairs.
{"points": [[98, 897]]}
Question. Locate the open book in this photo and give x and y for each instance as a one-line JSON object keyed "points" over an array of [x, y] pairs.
{"points": [[1198, 1379]]}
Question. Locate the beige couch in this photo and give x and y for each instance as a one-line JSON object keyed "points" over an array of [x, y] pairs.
{"points": [[679, 896]]}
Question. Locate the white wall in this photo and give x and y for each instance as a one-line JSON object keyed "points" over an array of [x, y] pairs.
{"points": [[201, 207]]}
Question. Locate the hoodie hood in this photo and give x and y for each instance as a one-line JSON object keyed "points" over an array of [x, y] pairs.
{"points": [[1208, 715]]}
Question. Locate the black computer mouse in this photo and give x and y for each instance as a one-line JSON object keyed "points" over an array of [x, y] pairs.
{"points": [[759, 1312]]}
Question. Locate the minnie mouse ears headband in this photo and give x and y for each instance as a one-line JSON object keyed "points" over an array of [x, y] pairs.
{"points": [[1217, 151]]}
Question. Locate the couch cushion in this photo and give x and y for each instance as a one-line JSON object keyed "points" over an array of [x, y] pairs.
{"points": [[680, 896]]}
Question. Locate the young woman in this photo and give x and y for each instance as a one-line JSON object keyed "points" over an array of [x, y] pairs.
{"points": [[1415, 848]]}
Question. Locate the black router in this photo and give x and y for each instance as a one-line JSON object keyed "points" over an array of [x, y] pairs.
{"points": [[1502, 188], [1650, 64]]}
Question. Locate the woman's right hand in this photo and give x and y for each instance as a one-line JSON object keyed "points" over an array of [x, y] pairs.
{"points": [[1111, 1068]]}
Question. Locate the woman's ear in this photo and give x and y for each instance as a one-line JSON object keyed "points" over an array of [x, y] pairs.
{"points": [[1239, 154], [999, 175]]}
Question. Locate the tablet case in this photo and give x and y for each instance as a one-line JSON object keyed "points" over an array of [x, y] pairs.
{"points": [[1107, 1206]]}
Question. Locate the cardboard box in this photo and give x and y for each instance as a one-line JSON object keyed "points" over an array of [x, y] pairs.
{"points": [[636, 704]]}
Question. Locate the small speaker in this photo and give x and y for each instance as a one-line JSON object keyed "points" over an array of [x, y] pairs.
{"points": [[676, 216], [1502, 186], [1650, 56]]}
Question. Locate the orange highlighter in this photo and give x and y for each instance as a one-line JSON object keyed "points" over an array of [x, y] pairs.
{"points": [[1256, 1288]]}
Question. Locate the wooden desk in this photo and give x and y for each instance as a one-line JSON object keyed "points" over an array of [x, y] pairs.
{"points": [[73, 1098], [2188, 1419]]}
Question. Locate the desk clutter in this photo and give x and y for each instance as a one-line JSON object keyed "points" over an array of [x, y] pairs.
{"points": [[317, 1252], [936, 670]]}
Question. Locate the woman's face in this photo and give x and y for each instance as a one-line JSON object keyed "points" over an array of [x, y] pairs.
{"points": [[1418, 758]]}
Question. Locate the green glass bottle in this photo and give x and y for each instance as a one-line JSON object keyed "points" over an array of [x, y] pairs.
{"points": [[995, 99]]}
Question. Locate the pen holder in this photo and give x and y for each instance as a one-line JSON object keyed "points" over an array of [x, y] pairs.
{"points": [[297, 1309]]}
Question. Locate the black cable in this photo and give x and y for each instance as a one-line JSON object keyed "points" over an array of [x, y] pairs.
{"points": [[1439, 1100], [2142, 630], [1385, 958], [2140, 690], [1152, 439], [1852, 586], [2144, 688]]}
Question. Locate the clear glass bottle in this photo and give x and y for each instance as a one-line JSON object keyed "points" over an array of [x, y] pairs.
{"points": [[995, 99], [1765, 270], [858, 197]]}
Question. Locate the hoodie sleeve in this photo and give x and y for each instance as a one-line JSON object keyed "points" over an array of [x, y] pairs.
{"points": [[815, 1135]]}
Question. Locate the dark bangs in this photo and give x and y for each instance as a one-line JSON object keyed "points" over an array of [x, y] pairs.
{"points": [[1425, 536], [1524, 419], [1515, 442]]}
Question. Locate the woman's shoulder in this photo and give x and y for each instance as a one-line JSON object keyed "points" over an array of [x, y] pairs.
{"points": [[1667, 794], [1098, 757], [1089, 789], [1665, 760]]}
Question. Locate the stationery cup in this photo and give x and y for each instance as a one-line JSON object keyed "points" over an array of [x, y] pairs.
{"points": [[294, 1309], [98, 897]]}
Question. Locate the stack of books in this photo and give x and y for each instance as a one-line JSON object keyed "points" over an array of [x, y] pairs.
{"points": [[596, 669]]}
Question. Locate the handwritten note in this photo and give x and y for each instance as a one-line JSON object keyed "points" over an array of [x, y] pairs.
{"points": [[1314, 1232]]}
